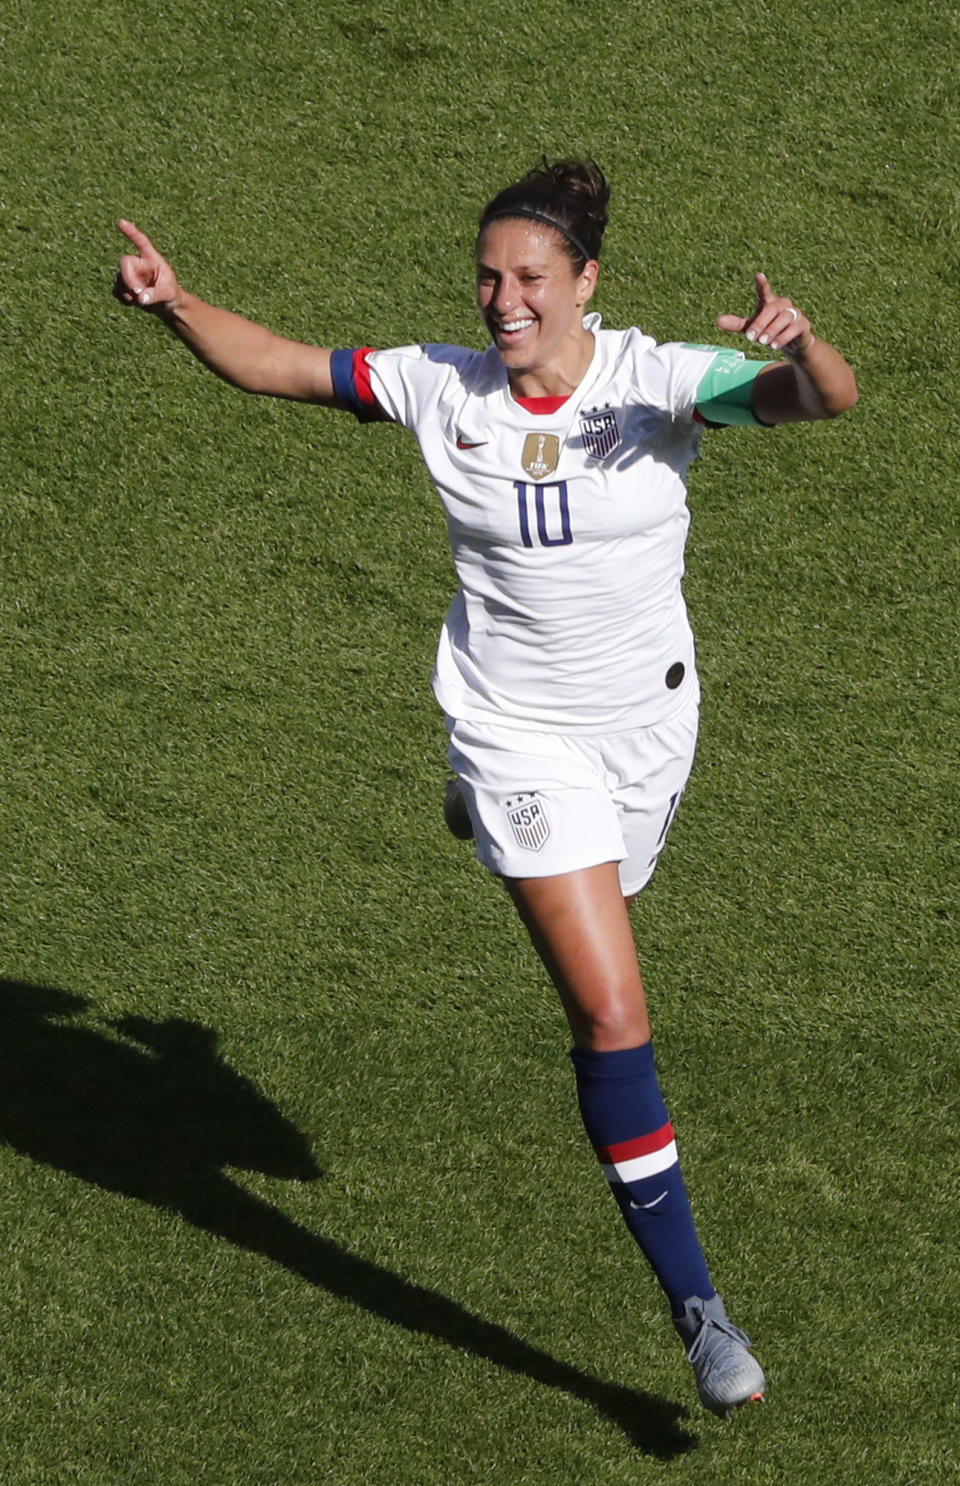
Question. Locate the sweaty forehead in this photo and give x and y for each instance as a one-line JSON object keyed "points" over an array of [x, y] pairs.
{"points": [[514, 242]]}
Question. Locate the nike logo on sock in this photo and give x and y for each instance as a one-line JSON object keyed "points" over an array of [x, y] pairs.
{"points": [[648, 1205]]}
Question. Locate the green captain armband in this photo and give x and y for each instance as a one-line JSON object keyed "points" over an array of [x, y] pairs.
{"points": [[723, 393]]}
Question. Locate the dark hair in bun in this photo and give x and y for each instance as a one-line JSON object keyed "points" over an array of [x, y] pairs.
{"points": [[569, 195]]}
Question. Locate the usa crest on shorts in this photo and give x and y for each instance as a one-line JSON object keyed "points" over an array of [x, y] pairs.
{"points": [[600, 432], [528, 816]]}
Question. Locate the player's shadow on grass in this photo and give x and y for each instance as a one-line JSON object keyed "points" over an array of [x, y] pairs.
{"points": [[156, 1114]]}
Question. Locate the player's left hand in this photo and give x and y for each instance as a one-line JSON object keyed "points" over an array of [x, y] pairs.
{"points": [[776, 322]]}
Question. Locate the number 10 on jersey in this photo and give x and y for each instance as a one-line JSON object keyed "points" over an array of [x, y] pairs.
{"points": [[551, 514]]}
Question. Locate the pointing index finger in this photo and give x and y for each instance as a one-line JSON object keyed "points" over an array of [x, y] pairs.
{"points": [[764, 292], [139, 239]]}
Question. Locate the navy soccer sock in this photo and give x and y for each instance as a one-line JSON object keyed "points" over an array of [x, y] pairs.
{"points": [[628, 1125]]}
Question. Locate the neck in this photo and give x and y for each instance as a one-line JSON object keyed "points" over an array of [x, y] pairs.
{"points": [[560, 377]]}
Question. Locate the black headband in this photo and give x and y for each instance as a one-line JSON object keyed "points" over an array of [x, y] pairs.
{"points": [[528, 211]]}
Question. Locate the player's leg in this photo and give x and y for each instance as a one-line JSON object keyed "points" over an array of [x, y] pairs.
{"points": [[455, 814], [547, 822], [579, 925]]}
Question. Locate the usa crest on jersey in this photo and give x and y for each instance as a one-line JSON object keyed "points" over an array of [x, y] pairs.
{"points": [[600, 432], [528, 817]]}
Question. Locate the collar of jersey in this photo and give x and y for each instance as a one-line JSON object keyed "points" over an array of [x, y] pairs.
{"points": [[542, 405]]}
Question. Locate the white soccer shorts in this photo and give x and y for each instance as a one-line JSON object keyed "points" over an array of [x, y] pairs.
{"points": [[543, 804]]}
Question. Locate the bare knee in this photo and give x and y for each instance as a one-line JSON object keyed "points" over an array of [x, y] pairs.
{"points": [[608, 1022]]}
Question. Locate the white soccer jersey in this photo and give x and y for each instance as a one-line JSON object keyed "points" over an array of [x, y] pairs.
{"points": [[567, 529]]}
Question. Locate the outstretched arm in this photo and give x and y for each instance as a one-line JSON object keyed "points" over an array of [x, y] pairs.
{"points": [[815, 382], [245, 354]]}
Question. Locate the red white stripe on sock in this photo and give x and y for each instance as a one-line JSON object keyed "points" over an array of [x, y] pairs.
{"points": [[632, 1160]]}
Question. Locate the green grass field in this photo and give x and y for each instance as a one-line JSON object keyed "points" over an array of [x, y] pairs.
{"points": [[293, 1185]]}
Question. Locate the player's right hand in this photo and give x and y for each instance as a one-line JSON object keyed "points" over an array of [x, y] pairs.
{"points": [[144, 278]]}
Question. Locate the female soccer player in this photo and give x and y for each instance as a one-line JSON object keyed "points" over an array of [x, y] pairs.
{"points": [[565, 665]]}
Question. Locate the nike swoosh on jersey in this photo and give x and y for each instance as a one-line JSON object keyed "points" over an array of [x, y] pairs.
{"points": [[463, 443]]}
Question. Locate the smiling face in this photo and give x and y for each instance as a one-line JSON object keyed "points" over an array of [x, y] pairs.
{"points": [[532, 301]]}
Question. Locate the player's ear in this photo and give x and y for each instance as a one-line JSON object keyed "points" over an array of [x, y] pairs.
{"points": [[587, 281]]}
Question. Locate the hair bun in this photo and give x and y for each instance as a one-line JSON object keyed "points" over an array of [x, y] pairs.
{"points": [[571, 193]]}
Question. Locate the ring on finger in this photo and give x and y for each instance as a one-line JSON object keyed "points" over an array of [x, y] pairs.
{"points": [[794, 312]]}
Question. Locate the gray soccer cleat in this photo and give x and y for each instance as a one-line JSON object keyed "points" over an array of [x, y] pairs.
{"points": [[455, 813], [726, 1373]]}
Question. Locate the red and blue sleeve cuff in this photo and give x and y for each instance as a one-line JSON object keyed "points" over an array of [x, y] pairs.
{"points": [[350, 371]]}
